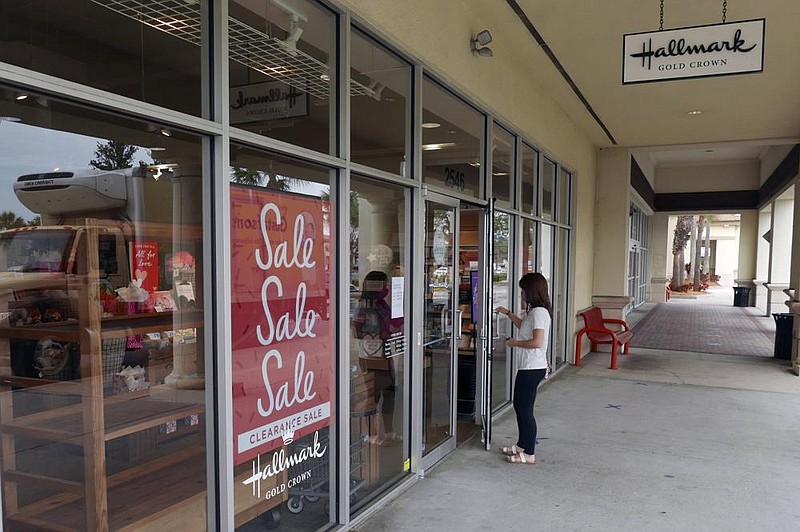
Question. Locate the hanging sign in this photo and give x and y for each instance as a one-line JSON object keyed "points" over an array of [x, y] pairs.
{"points": [[283, 346], [266, 101], [700, 51]]}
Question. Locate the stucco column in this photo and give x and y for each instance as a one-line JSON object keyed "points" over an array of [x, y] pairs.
{"points": [[748, 251], [611, 222], [781, 254], [660, 256]]}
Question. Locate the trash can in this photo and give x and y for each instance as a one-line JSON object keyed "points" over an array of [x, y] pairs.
{"points": [[784, 325], [741, 296]]}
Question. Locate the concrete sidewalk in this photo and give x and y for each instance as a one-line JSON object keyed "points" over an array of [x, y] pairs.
{"points": [[670, 441]]}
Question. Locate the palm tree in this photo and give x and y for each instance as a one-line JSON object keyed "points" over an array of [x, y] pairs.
{"points": [[683, 231]]}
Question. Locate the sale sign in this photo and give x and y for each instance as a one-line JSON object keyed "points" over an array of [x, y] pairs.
{"points": [[281, 329]]}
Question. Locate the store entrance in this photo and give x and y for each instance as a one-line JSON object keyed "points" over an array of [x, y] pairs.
{"points": [[455, 365]]}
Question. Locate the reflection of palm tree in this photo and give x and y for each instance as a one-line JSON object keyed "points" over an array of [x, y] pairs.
{"points": [[257, 178], [9, 219]]}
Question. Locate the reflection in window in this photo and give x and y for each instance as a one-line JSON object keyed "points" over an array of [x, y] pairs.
{"points": [[528, 246], [282, 58], [502, 290], [282, 332], [146, 49], [379, 337], [103, 327], [452, 136], [502, 166], [530, 163], [379, 96], [548, 188]]}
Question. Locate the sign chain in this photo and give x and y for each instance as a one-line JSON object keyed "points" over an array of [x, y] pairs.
{"points": [[661, 17], [724, 10]]}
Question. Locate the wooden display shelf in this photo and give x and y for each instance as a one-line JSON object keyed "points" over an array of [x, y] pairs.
{"points": [[122, 417], [112, 327], [162, 494]]}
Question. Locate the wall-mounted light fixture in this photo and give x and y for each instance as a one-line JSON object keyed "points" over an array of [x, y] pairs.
{"points": [[479, 44]]}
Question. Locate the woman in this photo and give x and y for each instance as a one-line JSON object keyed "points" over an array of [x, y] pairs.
{"points": [[373, 325], [531, 359]]}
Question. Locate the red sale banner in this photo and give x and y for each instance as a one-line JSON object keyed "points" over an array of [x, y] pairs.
{"points": [[282, 333], [144, 267]]}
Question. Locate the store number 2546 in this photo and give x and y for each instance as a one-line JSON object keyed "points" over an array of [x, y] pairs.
{"points": [[453, 178]]}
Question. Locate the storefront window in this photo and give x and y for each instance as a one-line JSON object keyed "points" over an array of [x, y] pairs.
{"points": [[282, 71], [503, 166], [548, 188], [379, 337], [380, 86], [529, 166], [102, 322], [148, 50], [452, 137], [283, 352]]}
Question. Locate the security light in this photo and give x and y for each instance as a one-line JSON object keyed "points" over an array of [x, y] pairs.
{"points": [[481, 39]]}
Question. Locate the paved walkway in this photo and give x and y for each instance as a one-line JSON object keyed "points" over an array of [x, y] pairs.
{"points": [[670, 441]]}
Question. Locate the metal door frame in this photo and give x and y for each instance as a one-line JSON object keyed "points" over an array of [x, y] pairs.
{"points": [[426, 461]]}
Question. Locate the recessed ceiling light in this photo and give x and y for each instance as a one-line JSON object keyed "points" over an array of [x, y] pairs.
{"points": [[439, 146], [695, 112], [166, 132], [156, 149], [499, 173], [324, 77], [431, 125], [474, 164], [22, 96], [10, 119]]}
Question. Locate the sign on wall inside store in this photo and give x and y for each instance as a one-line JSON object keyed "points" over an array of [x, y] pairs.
{"points": [[282, 338], [270, 100], [699, 51]]}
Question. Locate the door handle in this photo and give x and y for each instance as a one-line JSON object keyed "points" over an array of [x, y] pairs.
{"points": [[496, 323]]}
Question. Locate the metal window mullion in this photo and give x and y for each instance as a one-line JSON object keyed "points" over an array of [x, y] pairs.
{"points": [[106, 101], [340, 194], [488, 158], [259, 141], [217, 209]]}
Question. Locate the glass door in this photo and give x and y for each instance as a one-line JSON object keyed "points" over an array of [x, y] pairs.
{"points": [[502, 291], [440, 317]]}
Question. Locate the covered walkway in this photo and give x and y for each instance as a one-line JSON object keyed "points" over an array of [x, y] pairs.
{"points": [[706, 323], [672, 440], [668, 442]]}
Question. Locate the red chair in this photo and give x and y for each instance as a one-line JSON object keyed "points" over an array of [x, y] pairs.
{"points": [[598, 333]]}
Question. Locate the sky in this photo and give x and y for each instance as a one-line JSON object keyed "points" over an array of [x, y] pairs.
{"points": [[26, 149]]}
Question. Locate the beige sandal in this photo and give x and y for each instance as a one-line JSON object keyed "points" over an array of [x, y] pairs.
{"points": [[521, 458], [511, 451]]}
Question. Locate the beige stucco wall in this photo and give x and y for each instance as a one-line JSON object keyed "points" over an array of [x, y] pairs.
{"points": [[437, 34], [707, 178]]}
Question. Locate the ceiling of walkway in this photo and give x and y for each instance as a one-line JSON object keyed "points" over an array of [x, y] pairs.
{"points": [[741, 114]]}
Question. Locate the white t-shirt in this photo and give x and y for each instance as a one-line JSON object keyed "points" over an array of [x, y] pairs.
{"points": [[536, 358]]}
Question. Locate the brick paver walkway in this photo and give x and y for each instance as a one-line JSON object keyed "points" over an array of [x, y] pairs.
{"points": [[701, 328]]}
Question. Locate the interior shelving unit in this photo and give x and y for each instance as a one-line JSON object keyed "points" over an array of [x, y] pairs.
{"points": [[155, 492]]}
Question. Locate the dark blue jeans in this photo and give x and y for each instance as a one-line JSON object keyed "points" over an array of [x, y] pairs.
{"points": [[525, 386]]}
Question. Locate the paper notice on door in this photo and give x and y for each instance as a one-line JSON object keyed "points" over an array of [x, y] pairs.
{"points": [[398, 290]]}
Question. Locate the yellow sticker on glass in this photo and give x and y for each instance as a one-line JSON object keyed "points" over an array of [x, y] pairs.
{"points": [[407, 465]]}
